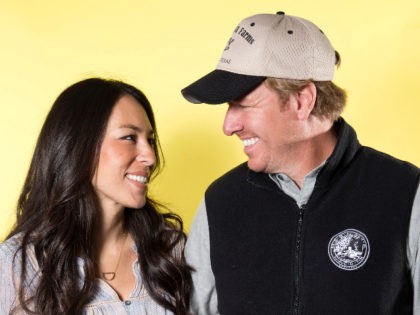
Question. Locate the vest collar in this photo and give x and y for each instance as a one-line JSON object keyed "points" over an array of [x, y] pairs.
{"points": [[345, 149]]}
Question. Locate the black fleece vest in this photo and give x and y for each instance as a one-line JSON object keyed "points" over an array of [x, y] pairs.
{"points": [[344, 252]]}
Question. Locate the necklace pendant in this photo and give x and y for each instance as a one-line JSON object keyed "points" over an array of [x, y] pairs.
{"points": [[108, 276]]}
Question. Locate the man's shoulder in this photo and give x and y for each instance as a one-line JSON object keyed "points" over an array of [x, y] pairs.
{"points": [[234, 176], [382, 159]]}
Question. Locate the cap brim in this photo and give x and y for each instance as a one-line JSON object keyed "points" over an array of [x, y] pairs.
{"points": [[220, 86]]}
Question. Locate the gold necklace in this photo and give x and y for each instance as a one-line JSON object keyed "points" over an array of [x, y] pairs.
{"points": [[110, 275]]}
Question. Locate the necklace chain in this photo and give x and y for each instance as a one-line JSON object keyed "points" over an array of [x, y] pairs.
{"points": [[110, 275]]}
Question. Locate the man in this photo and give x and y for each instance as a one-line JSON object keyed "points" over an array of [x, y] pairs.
{"points": [[313, 223]]}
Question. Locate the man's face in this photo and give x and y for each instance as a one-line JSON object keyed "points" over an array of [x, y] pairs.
{"points": [[267, 127]]}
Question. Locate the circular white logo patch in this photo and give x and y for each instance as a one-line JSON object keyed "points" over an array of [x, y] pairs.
{"points": [[349, 249]]}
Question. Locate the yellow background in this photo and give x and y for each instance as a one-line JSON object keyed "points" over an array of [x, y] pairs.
{"points": [[162, 46]]}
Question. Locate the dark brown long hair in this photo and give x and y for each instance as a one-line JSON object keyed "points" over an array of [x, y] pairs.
{"points": [[58, 208]]}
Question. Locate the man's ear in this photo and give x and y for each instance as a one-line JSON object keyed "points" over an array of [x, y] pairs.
{"points": [[305, 101]]}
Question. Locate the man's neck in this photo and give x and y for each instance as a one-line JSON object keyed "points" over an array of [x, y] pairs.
{"points": [[311, 153]]}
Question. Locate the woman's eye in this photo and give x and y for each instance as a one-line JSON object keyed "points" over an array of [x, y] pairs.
{"points": [[152, 141], [130, 138]]}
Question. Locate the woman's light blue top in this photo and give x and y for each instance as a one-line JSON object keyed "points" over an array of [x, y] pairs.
{"points": [[106, 300]]}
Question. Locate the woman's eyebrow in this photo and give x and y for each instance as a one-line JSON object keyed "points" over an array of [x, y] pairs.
{"points": [[137, 129], [130, 126]]}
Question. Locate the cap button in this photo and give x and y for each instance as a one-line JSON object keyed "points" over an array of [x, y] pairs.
{"points": [[280, 13]]}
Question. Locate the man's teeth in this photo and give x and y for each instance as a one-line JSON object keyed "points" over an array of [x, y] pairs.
{"points": [[250, 141], [137, 178]]}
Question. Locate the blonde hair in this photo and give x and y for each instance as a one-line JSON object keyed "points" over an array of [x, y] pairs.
{"points": [[330, 98]]}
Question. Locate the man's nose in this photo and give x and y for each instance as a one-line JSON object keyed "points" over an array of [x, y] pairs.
{"points": [[232, 123]]}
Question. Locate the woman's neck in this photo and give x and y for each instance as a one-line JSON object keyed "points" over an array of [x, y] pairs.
{"points": [[111, 227]]}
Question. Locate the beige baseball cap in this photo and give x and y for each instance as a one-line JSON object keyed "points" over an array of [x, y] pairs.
{"points": [[261, 46]]}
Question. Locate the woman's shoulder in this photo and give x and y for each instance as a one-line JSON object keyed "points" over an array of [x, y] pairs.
{"points": [[10, 270], [10, 246], [10, 251]]}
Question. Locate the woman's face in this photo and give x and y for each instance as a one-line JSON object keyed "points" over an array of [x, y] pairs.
{"points": [[126, 157]]}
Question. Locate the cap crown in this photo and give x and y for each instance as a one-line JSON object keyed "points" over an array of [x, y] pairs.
{"points": [[280, 46]]}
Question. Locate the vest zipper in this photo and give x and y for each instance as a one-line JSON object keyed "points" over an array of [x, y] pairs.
{"points": [[296, 299]]}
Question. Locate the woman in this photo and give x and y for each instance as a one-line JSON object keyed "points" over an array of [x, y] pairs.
{"points": [[88, 239]]}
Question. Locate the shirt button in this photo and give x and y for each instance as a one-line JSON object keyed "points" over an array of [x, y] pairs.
{"points": [[127, 302]]}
